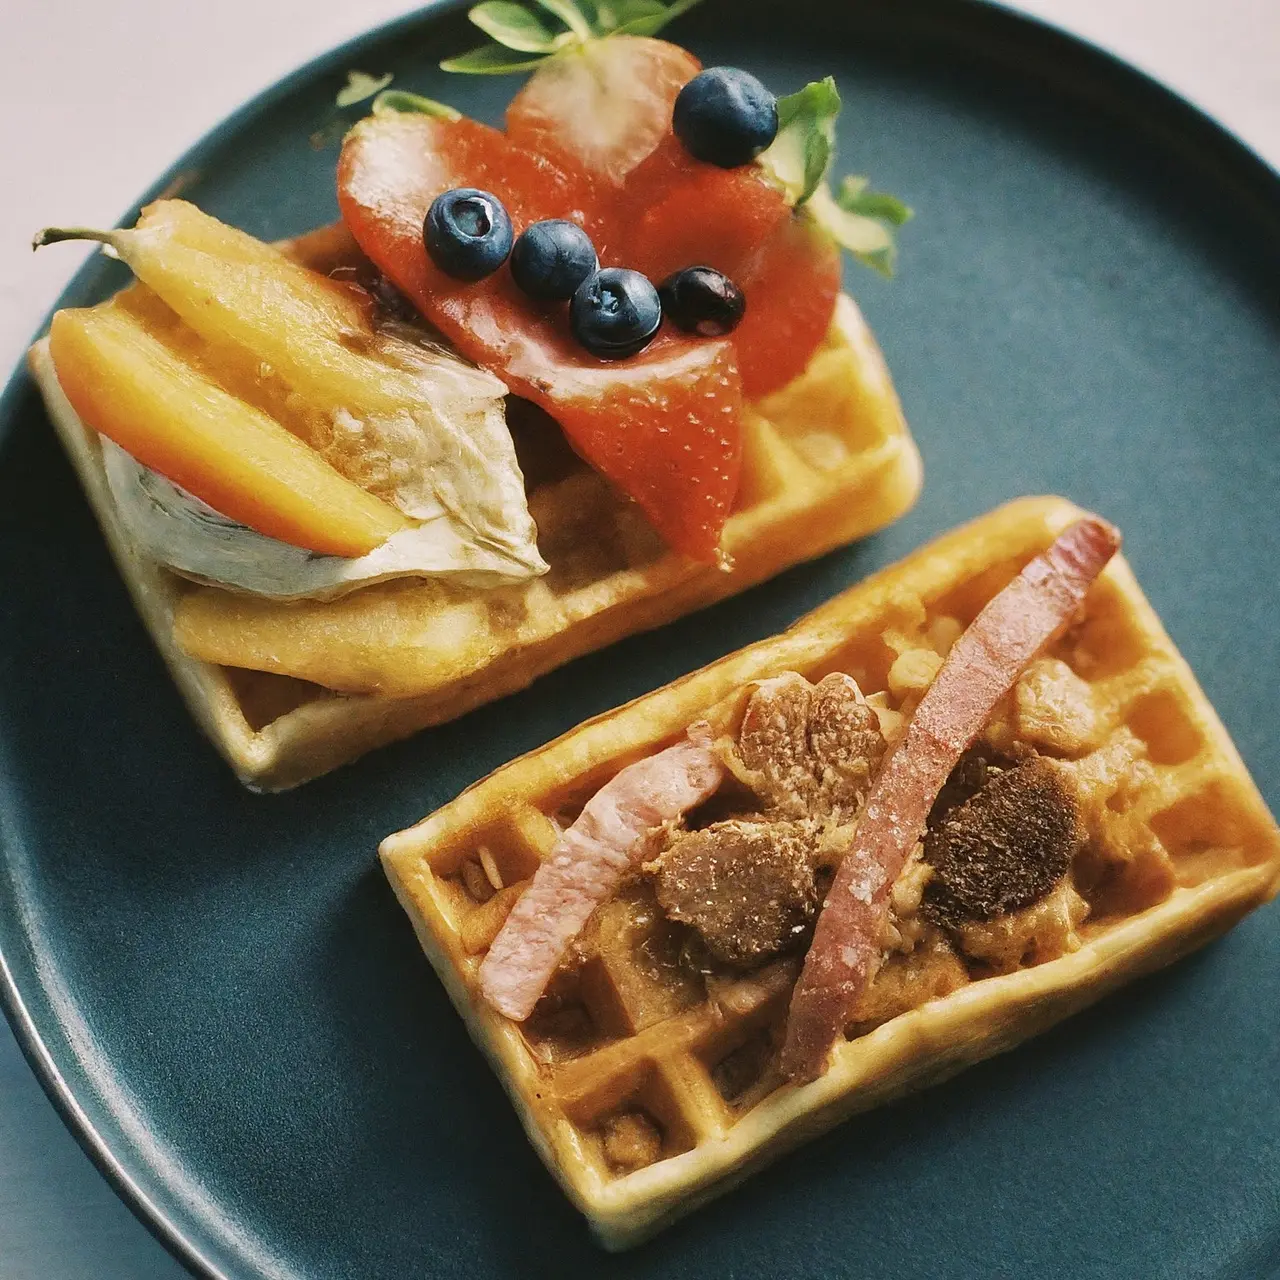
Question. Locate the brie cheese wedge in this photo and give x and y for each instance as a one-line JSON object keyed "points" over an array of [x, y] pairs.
{"points": [[188, 536]]}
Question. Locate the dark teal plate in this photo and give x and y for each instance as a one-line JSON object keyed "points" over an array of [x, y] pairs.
{"points": [[218, 989]]}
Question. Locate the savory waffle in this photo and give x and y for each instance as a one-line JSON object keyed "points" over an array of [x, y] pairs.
{"points": [[289, 691], [648, 1088]]}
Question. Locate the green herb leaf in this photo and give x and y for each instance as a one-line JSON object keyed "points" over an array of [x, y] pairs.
{"points": [[803, 150], [489, 60], [648, 17], [855, 196], [868, 239], [400, 100], [518, 26], [361, 85], [514, 26], [606, 16], [571, 15]]}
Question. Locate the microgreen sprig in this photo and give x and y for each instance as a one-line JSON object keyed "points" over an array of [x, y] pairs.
{"points": [[799, 161], [523, 35], [360, 86], [392, 101]]}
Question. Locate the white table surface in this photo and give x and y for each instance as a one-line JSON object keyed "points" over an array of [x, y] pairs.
{"points": [[97, 98]]}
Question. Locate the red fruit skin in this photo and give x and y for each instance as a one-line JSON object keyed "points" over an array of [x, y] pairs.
{"points": [[665, 166], [658, 209], [791, 288], [679, 212], [664, 426], [713, 218]]}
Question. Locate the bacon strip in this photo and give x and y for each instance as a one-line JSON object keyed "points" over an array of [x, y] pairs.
{"points": [[587, 864], [982, 667]]}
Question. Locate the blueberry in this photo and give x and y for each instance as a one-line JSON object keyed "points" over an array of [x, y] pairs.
{"points": [[615, 313], [467, 233], [725, 117], [551, 259], [702, 300]]}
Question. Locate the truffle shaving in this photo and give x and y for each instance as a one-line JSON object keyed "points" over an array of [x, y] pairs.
{"points": [[1005, 847], [746, 887]]}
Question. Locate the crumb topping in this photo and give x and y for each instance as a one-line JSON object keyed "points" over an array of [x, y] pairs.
{"points": [[750, 886], [747, 887], [810, 750]]}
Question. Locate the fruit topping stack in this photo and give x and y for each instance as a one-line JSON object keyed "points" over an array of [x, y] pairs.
{"points": [[643, 247]]}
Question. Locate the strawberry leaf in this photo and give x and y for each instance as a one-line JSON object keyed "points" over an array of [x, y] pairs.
{"points": [[856, 197], [519, 27], [866, 237], [514, 27], [399, 100], [360, 85], [858, 219], [489, 60], [608, 15], [803, 150], [570, 15], [648, 17]]}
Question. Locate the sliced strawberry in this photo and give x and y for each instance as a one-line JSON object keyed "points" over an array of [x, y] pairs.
{"points": [[664, 426], [603, 106], [679, 212], [791, 290], [708, 217], [605, 110], [663, 168], [530, 185]]}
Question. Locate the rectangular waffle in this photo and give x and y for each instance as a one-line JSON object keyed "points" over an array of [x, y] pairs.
{"points": [[647, 1093], [289, 691]]}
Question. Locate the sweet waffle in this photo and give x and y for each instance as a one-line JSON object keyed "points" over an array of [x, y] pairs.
{"points": [[289, 691], [648, 1089]]}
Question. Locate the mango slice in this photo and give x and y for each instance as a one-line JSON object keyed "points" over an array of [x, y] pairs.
{"points": [[312, 332], [382, 401], [129, 386]]}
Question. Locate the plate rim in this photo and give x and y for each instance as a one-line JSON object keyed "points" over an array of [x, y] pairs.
{"points": [[1242, 161]]}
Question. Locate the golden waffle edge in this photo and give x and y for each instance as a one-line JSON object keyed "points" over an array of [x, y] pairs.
{"points": [[827, 460], [1223, 844]]}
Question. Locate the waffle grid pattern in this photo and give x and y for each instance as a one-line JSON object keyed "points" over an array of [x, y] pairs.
{"points": [[647, 1089]]}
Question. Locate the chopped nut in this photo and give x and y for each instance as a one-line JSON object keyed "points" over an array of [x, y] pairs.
{"points": [[893, 724], [943, 632], [631, 1141], [474, 880], [481, 927], [913, 672], [490, 867], [908, 889], [903, 926], [1054, 708], [890, 936]]}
